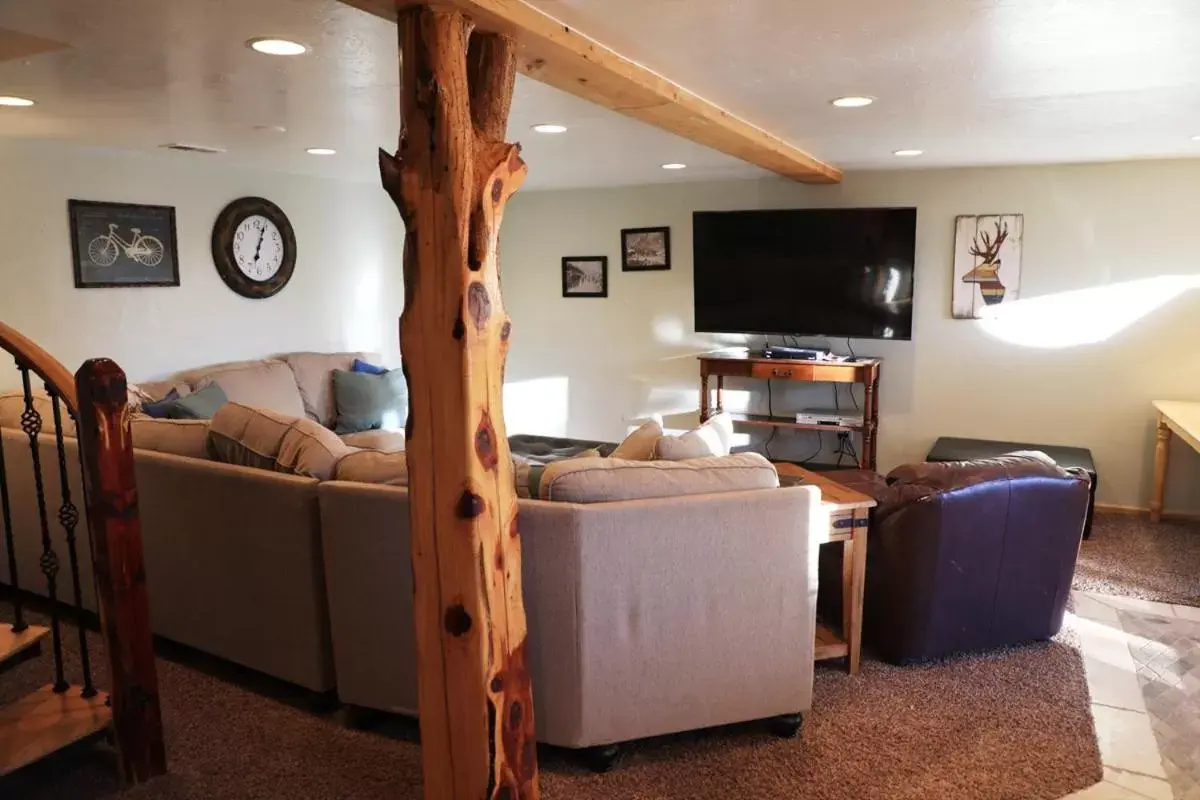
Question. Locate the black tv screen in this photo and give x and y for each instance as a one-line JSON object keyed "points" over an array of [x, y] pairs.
{"points": [[805, 272]]}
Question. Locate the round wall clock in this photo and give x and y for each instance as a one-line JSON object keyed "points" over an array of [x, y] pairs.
{"points": [[254, 247]]}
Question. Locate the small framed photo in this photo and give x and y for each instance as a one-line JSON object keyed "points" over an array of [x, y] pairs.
{"points": [[585, 276], [644, 249], [121, 244]]}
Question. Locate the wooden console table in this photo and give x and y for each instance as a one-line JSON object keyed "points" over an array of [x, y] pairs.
{"points": [[862, 370], [1174, 417]]}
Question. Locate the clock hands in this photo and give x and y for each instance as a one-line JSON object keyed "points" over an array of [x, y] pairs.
{"points": [[258, 250]]}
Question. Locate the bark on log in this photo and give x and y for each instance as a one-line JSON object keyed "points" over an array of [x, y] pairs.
{"points": [[450, 179]]}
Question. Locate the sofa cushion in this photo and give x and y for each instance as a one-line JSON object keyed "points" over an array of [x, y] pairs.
{"points": [[372, 466], [363, 366], [603, 480], [200, 404], [367, 402], [268, 383], [181, 437], [379, 440], [255, 437], [641, 444], [313, 373], [713, 438], [12, 406]]}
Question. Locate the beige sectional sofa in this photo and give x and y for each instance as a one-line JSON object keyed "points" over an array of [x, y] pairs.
{"points": [[233, 553], [661, 596]]}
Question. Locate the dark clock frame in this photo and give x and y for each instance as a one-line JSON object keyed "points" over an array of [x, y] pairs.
{"points": [[222, 247]]}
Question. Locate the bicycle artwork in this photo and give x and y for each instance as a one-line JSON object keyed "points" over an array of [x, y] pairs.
{"points": [[122, 244]]}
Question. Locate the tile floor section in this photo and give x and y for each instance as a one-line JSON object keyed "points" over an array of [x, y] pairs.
{"points": [[1143, 669]]}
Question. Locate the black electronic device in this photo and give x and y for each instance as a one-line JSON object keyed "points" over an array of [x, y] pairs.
{"points": [[806, 272], [797, 353]]}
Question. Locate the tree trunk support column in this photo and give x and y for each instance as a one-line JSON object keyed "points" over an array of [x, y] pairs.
{"points": [[451, 179]]}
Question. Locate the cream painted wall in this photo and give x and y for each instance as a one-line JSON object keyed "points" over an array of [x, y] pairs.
{"points": [[346, 292], [1098, 241]]}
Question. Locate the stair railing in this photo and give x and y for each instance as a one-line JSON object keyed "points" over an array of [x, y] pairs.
{"points": [[95, 401]]}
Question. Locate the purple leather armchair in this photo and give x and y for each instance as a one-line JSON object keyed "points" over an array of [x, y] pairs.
{"points": [[965, 555]]}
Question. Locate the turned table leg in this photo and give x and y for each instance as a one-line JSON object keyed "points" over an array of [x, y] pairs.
{"points": [[1162, 457]]}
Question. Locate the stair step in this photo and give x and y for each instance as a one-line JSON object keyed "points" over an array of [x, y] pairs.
{"points": [[13, 644], [44, 722]]}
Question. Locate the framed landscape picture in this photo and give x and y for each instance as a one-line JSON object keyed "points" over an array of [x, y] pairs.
{"points": [[121, 244], [585, 276], [644, 249]]}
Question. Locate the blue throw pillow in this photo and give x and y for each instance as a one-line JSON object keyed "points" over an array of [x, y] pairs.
{"points": [[366, 401], [362, 366], [199, 405], [159, 409]]}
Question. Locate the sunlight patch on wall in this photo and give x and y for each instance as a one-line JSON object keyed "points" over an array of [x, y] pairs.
{"points": [[537, 405], [1086, 316]]}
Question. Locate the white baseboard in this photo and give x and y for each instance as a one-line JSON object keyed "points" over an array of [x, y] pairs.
{"points": [[1137, 511]]}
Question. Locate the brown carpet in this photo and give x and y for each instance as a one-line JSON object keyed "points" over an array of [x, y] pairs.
{"points": [[1008, 725], [1133, 557]]}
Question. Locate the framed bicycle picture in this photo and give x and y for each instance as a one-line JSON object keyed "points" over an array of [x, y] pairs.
{"points": [[122, 244]]}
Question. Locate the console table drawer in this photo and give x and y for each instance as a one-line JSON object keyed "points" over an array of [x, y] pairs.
{"points": [[791, 371]]}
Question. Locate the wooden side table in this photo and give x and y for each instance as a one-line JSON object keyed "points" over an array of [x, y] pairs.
{"points": [[849, 518]]}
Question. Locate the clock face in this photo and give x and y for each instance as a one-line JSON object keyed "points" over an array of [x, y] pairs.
{"points": [[254, 247], [258, 248]]}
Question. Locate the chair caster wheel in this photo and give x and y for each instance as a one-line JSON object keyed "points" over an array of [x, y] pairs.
{"points": [[786, 726], [600, 759]]}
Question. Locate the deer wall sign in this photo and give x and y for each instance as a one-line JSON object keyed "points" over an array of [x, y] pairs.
{"points": [[987, 263]]}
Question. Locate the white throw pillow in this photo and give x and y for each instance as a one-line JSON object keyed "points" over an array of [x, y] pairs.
{"points": [[713, 438]]}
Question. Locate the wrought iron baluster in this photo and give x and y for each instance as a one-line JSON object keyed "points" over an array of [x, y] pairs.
{"points": [[19, 623], [68, 517], [31, 423]]}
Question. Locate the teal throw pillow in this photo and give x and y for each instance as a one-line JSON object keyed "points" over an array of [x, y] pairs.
{"points": [[200, 404], [366, 402]]}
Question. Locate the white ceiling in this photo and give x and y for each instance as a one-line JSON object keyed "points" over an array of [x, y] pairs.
{"points": [[968, 81]]}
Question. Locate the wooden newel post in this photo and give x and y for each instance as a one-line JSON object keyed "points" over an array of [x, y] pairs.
{"points": [[116, 535], [451, 178]]}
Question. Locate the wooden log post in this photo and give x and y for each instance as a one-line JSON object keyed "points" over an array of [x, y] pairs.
{"points": [[451, 179], [120, 574]]}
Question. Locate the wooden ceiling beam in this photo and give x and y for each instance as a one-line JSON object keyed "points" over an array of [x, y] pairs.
{"points": [[554, 54]]}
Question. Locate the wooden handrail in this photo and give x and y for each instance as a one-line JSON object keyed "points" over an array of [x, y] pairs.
{"points": [[51, 370]]}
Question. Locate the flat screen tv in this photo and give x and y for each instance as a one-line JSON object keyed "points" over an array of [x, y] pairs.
{"points": [[805, 272]]}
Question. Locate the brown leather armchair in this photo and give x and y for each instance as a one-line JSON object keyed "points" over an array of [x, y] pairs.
{"points": [[965, 555]]}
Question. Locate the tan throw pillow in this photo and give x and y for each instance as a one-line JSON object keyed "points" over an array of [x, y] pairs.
{"points": [[372, 466], [607, 480], [639, 445], [181, 437], [255, 437], [713, 438]]}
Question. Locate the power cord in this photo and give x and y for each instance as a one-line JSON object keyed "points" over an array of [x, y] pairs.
{"points": [[770, 412]]}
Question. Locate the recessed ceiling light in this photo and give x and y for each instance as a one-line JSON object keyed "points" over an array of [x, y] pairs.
{"points": [[271, 128], [907, 153], [277, 47], [1196, 138], [852, 101], [674, 166], [16, 102], [320, 151], [550, 128]]}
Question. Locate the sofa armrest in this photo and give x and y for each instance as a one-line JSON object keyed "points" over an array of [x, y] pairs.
{"points": [[234, 566], [654, 616]]}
